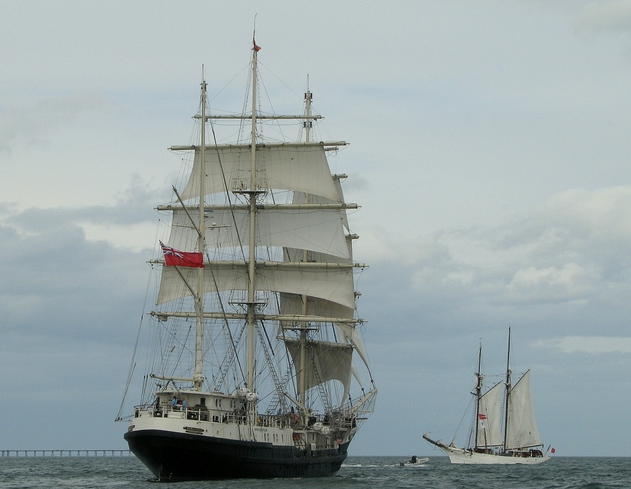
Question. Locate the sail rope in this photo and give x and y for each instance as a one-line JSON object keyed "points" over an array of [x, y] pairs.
{"points": [[231, 356], [325, 398], [269, 100], [218, 92], [246, 98], [270, 364], [227, 191], [132, 366]]}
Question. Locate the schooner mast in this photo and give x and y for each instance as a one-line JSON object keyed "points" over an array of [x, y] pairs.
{"points": [[507, 394], [478, 394]]}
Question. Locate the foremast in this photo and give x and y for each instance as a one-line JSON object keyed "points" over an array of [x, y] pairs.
{"points": [[197, 292]]}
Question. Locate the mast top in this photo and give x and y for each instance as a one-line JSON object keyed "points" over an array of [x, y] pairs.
{"points": [[255, 47]]}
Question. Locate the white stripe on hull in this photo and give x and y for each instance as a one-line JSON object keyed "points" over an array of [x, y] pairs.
{"points": [[459, 456]]}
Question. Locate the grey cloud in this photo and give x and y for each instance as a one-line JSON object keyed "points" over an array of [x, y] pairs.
{"points": [[57, 283], [33, 126], [605, 18], [569, 257], [132, 206]]}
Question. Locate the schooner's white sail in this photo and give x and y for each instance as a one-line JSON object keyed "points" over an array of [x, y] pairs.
{"points": [[258, 363], [521, 425], [505, 430], [490, 418]]}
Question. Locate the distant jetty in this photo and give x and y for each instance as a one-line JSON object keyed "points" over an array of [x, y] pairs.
{"points": [[65, 453]]}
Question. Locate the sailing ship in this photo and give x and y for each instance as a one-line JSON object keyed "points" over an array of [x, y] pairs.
{"points": [[259, 363], [504, 429]]}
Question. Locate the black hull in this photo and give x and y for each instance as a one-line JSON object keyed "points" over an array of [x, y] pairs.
{"points": [[180, 456]]}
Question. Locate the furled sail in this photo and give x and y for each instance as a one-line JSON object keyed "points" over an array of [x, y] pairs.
{"points": [[489, 417], [521, 426]]}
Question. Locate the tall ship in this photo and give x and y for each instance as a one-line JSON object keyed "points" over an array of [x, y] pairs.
{"points": [[504, 429], [257, 367]]}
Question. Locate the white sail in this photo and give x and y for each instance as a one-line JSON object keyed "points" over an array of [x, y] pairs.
{"points": [[332, 284], [301, 197], [292, 305], [325, 361], [352, 335], [299, 167], [490, 418], [307, 227], [521, 426]]}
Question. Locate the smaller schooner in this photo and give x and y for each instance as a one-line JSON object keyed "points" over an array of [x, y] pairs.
{"points": [[504, 427]]}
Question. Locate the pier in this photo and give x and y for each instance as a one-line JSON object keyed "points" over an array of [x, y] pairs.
{"points": [[65, 453]]}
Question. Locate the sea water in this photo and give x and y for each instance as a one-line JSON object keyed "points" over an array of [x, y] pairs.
{"points": [[357, 472]]}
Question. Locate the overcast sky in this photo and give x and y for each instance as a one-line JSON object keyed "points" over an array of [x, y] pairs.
{"points": [[490, 151]]}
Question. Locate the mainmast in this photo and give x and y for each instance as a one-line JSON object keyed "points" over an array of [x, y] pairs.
{"points": [[198, 377], [304, 326], [252, 243]]}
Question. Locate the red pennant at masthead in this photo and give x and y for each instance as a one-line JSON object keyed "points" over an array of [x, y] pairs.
{"points": [[256, 48], [176, 258]]}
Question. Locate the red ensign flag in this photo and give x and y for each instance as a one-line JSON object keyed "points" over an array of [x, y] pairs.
{"points": [[176, 258]]}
